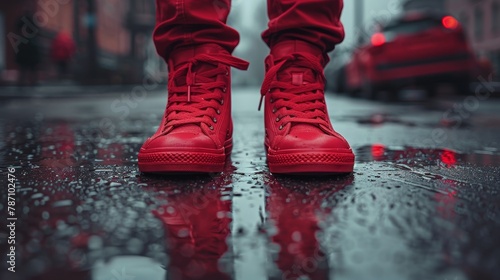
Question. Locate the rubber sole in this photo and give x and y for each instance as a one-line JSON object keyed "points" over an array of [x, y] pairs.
{"points": [[317, 162], [183, 162]]}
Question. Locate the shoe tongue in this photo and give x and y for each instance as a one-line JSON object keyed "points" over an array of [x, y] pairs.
{"points": [[296, 75], [197, 70], [291, 73], [181, 56]]}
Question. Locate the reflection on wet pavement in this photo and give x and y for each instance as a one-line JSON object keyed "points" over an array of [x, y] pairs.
{"points": [[87, 213], [295, 213], [196, 223], [414, 156]]}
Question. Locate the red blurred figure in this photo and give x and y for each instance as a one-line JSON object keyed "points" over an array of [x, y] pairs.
{"points": [[195, 134], [62, 51]]}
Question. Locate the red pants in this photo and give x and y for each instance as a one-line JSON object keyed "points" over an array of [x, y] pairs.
{"points": [[187, 22]]}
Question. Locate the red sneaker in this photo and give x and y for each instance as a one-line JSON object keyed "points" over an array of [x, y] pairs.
{"points": [[195, 134], [299, 135]]}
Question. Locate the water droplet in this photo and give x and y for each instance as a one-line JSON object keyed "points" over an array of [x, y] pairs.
{"points": [[296, 236], [62, 203], [95, 242], [37, 195], [135, 245], [183, 232]]}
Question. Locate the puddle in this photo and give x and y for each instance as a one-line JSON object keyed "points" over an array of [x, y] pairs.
{"points": [[128, 267], [487, 156], [379, 119]]}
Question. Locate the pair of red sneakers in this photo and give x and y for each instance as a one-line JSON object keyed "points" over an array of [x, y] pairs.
{"points": [[195, 134]]}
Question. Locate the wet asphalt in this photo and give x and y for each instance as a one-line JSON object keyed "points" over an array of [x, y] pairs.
{"points": [[422, 203]]}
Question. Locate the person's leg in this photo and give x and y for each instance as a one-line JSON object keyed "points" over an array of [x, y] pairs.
{"points": [[185, 23], [299, 135], [195, 134], [316, 22]]}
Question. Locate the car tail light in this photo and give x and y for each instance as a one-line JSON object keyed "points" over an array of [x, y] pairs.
{"points": [[450, 22], [378, 39]]}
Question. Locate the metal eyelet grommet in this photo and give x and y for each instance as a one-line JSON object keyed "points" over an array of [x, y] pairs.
{"points": [[215, 120], [218, 112], [227, 73], [277, 119], [271, 100], [224, 89], [274, 110], [222, 102], [281, 127], [211, 127]]}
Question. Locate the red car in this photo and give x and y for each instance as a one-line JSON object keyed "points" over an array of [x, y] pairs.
{"points": [[413, 50]]}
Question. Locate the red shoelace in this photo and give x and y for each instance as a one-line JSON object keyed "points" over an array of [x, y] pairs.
{"points": [[199, 102], [296, 103]]}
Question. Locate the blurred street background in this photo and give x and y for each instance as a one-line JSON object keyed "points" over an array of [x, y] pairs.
{"points": [[414, 89], [111, 44]]}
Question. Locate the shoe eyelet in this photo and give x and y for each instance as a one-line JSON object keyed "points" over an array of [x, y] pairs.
{"points": [[218, 112], [274, 110], [227, 73], [211, 127], [222, 102], [215, 120], [271, 100], [224, 89], [277, 119], [281, 127]]}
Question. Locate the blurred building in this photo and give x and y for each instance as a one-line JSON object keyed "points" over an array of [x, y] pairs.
{"points": [[113, 34], [481, 19], [10, 13]]}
